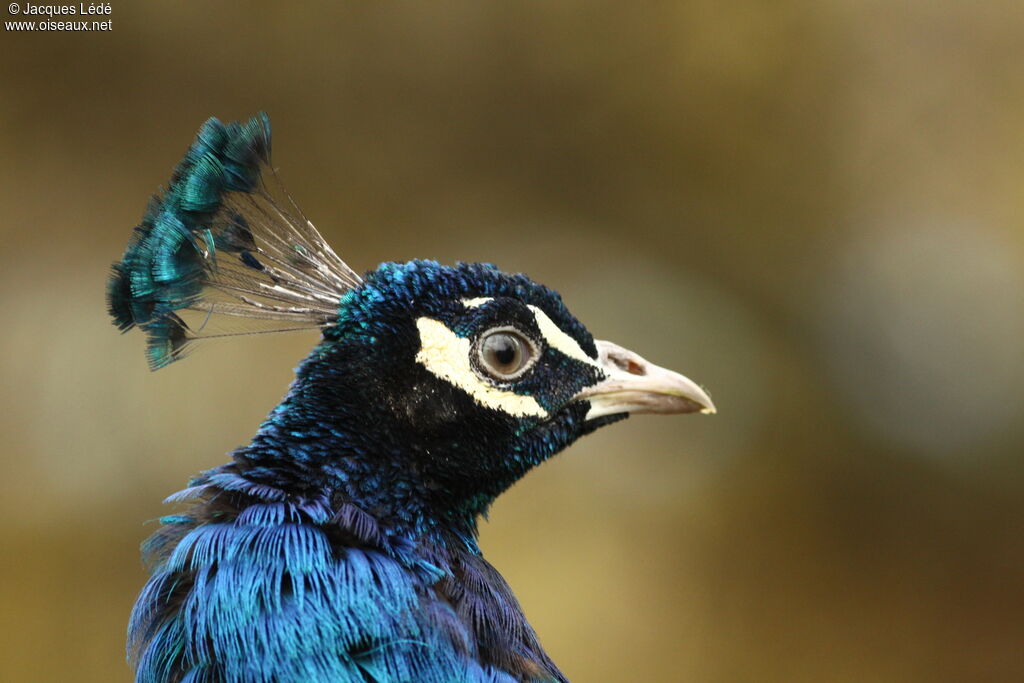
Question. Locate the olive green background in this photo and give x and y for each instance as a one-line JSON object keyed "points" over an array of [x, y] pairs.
{"points": [[814, 209]]}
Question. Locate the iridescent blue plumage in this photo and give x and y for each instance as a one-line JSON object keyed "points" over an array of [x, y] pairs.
{"points": [[266, 595], [340, 544]]}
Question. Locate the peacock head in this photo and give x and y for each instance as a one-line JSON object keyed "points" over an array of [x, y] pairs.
{"points": [[471, 376], [453, 381]]}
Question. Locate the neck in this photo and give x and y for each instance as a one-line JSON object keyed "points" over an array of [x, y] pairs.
{"points": [[403, 461], [307, 453], [441, 558]]}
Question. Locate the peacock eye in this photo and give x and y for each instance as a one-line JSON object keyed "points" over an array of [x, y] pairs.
{"points": [[505, 354]]}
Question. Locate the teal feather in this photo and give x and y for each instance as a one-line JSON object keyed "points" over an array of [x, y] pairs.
{"points": [[163, 268], [217, 202]]}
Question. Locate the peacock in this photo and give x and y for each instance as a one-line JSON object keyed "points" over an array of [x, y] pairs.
{"points": [[340, 545]]}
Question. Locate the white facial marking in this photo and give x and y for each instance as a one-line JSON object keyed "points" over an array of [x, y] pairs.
{"points": [[552, 333], [446, 355], [559, 340]]}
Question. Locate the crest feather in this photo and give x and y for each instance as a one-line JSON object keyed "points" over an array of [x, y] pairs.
{"points": [[218, 245]]}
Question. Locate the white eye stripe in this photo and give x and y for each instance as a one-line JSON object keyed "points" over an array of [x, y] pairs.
{"points": [[446, 355], [559, 340], [552, 333]]}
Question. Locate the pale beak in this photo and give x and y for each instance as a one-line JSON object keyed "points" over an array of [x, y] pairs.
{"points": [[634, 385]]}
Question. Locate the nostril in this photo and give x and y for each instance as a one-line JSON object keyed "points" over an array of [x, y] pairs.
{"points": [[634, 368], [627, 364]]}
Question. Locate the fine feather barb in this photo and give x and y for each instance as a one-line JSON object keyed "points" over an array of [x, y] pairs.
{"points": [[340, 269], [226, 241]]}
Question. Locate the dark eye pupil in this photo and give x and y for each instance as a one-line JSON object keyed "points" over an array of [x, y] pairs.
{"points": [[504, 351]]}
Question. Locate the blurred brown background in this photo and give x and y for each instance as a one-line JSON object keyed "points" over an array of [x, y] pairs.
{"points": [[812, 208]]}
